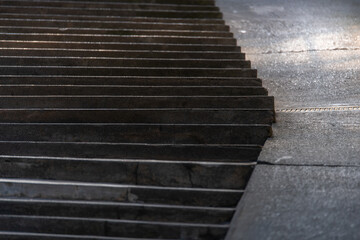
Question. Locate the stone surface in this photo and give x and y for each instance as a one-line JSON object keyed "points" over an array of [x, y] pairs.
{"points": [[307, 53], [310, 138], [297, 202], [149, 106]]}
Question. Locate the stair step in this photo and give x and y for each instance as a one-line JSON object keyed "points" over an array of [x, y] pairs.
{"points": [[136, 133], [138, 19], [179, 2], [58, 52], [112, 31], [11, 90], [4, 235], [147, 172], [106, 227], [40, 189], [117, 46], [42, 21], [123, 62], [114, 6], [115, 38], [125, 12], [129, 80], [124, 211], [16, 102], [185, 116], [178, 152], [124, 119], [127, 71]]}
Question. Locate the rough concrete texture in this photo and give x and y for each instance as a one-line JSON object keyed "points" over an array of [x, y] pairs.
{"points": [[315, 138], [307, 53], [287, 202]]}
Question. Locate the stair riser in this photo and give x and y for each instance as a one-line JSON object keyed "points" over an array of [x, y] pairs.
{"points": [[117, 46], [116, 62], [137, 134], [44, 236], [179, 2], [125, 194], [103, 71], [117, 19], [108, 228], [125, 212], [133, 151], [114, 6], [147, 173], [120, 32], [109, 12], [139, 116], [123, 54], [129, 91], [143, 81], [136, 102], [116, 25], [114, 38]]}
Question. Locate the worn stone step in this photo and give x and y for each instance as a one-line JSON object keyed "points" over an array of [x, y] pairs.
{"points": [[147, 172], [46, 189], [130, 80], [136, 133], [124, 90], [114, 6], [180, 152], [115, 38], [41, 21], [177, 2], [136, 115], [107, 227], [262, 102], [126, 71], [111, 210], [123, 62], [185, 2], [71, 17], [125, 12], [112, 31], [117, 46], [5, 235], [58, 52], [180, 2]]}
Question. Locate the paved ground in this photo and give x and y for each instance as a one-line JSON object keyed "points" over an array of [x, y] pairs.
{"points": [[307, 184]]}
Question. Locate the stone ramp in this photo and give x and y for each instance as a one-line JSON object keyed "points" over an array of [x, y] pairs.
{"points": [[124, 120]]}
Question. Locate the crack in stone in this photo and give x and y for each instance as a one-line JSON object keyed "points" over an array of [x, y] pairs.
{"points": [[309, 50], [306, 165], [189, 171]]}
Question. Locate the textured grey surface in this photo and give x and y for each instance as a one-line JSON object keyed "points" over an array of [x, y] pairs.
{"points": [[297, 202], [307, 53], [315, 138]]}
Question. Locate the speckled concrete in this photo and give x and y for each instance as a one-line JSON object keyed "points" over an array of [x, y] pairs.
{"points": [[306, 51], [287, 202], [308, 55]]}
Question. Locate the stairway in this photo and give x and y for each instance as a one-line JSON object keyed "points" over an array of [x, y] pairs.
{"points": [[124, 119]]}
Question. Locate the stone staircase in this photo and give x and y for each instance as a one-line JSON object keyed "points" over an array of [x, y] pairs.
{"points": [[124, 119]]}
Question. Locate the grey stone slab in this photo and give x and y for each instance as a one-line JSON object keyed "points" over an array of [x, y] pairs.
{"points": [[311, 79], [263, 26], [305, 51], [314, 138], [297, 202]]}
